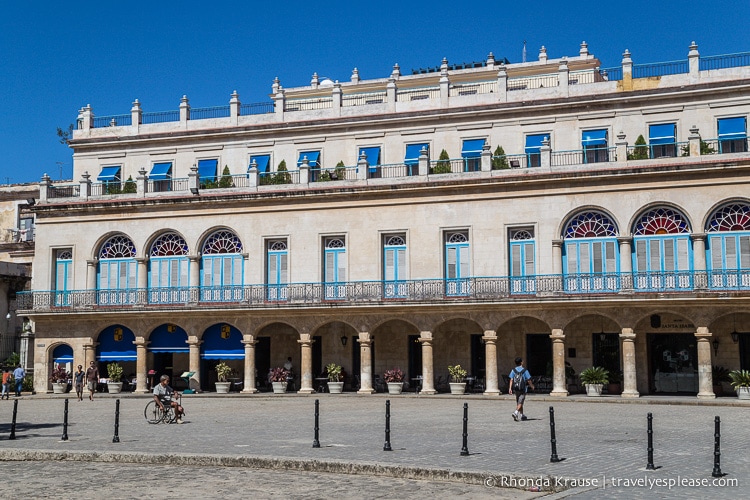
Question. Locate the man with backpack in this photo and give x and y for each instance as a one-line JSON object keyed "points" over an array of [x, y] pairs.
{"points": [[520, 381]]}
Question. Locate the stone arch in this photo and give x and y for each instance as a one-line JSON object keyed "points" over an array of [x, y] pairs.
{"points": [[708, 219], [666, 211], [592, 209]]}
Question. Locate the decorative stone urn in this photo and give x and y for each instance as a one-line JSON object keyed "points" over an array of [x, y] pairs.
{"points": [[594, 389], [335, 387], [743, 392], [59, 387], [395, 387], [223, 387], [458, 387], [279, 387], [114, 387]]}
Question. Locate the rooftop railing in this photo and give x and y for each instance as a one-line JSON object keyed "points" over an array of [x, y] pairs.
{"points": [[112, 121], [660, 69], [308, 104], [71, 191], [256, 108], [418, 94], [363, 99], [212, 112], [160, 117], [438, 291], [724, 61]]}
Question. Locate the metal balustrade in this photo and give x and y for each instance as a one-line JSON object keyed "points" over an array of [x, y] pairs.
{"points": [[660, 69], [211, 112], [724, 61], [611, 74], [363, 99], [160, 117], [72, 191], [477, 289], [418, 94], [308, 104], [533, 82], [112, 121], [473, 88], [256, 108]]}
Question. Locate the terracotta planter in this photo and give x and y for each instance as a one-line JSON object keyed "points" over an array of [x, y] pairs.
{"points": [[114, 387], [279, 387], [395, 387], [458, 387], [223, 387], [59, 387], [335, 387], [594, 389]]}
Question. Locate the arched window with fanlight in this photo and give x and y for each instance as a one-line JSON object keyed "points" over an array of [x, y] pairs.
{"points": [[334, 267], [395, 270], [662, 259], [222, 267], [590, 253], [522, 260], [728, 246], [277, 269], [118, 271], [63, 276], [457, 266], [169, 269]]}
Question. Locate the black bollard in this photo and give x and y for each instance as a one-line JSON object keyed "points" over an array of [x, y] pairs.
{"points": [[465, 448], [650, 464], [717, 448], [387, 445], [13, 424], [65, 422], [316, 442], [553, 441], [116, 438]]}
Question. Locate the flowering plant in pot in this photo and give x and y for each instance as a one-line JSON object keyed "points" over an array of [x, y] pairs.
{"points": [[223, 371], [395, 380], [59, 379], [457, 379], [335, 384], [279, 378]]}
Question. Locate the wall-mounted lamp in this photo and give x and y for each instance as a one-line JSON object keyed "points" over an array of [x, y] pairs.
{"points": [[194, 190], [716, 346], [343, 340], [735, 336]]}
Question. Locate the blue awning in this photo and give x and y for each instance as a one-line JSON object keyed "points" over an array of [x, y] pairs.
{"points": [[312, 158], [373, 157], [160, 171], [594, 137], [207, 170], [222, 341], [663, 133], [164, 340], [413, 151], [472, 148], [261, 162], [62, 354], [534, 142], [109, 174], [730, 128], [116, 344]]}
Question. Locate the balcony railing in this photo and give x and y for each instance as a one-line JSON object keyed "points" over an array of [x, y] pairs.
{"points": [[540, 287]]}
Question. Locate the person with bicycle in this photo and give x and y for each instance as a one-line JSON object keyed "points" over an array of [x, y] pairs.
{"points": [[164, 394]]}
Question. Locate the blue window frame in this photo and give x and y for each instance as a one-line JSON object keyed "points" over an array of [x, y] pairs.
{"points": [[277, 270], [533, 149], [261, 162], [411, 158], [662, 139], [732, 134], [207, 170], [457, 266], [728, 246], [373, 160], [395, 270], [591, 265], [63, 276], [471, 152], [110, 174], [662, 257], [334, 267], [117, 276], [594, 143], [522, 261], [222, 267], [313, 158]]}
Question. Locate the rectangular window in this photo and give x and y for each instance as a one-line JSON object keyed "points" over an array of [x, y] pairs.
{"points": [[334, 267], [261, 163], [533, 148], [522, 260], [372, 154], [63, 276], [395, 270], [111, 178], [662, 262], [313, 160], [457, 269], [471, 152], [594, 143], [732, 134], [411, 158], [207, 172], [161, 175], [277, 270], [662, 140]]}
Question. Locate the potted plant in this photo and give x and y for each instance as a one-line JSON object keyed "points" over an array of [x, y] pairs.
{"points": [[395, 380], [615, 382], [594, 379], [114, 372], [719, 374], [223, 370], [278, 378], [335, 384], [457, 379], [59, 379], [740, 380]]}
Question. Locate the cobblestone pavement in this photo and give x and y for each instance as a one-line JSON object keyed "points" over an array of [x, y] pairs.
{"points": [[602, 443]]}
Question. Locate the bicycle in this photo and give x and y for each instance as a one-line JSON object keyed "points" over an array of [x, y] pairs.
{"points": [[155, 415]]}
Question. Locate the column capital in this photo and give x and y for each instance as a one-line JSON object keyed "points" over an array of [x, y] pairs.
{"points": [[557, 335], [140, 342], [557, 243], [698, 236], [624, 239], [702, 333], [627, 334]]}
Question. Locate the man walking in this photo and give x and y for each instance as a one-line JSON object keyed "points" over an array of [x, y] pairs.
{"points": [[92, 378], [18, 374], [520, 381]]}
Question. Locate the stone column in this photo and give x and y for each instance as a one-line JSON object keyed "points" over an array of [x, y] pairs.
{"points": [[563, 77], [365, 363], [184, 111], [428, 371], [557, 246], [89, 352], [486, 158], [626, 262], [362, 167], [306, 375], [193, 180], [141, 380], [391, 92], [629, 375], [252, 176], [424, 162], [91, 274], [44, 186], [304, 171], [705, 376], [621, 147], [490, 355], [85, 185], [194, 282], [559, 386], [444, 84], [140, 182], [502, 83], [627, 71], [194, 362], [248, 387], [545, 154], [694, 62], [135, 114], [142, 280], [234, 106], [700, 276], [336, 96], [279, 102]]}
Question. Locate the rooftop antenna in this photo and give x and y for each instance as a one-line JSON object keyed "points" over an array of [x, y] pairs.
{"points": [[60, 166], [523, 55]]}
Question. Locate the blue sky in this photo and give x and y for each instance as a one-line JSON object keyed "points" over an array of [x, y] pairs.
{"points": [[57, 57]]}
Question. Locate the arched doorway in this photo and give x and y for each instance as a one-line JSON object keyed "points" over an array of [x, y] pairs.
{"points": [[168, 345], [116, 344], [221, 342]]}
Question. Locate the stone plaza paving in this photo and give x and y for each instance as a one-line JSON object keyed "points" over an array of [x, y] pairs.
{"points": [[602, 444]]}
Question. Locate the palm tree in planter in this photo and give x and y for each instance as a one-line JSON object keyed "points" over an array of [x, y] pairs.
{"points": [[395, 380], [278, 377], [335, 384], [223, 371], [594, 379], [458, 379], [740, 380], [114, 372], [59, 379]]}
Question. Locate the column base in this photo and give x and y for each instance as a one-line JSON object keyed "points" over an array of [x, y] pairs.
{"points": [[491, 393], [306, 391], [706, 395], [366, 391], [559, 393], [630, 394], [248, 391], [428, 391]]}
